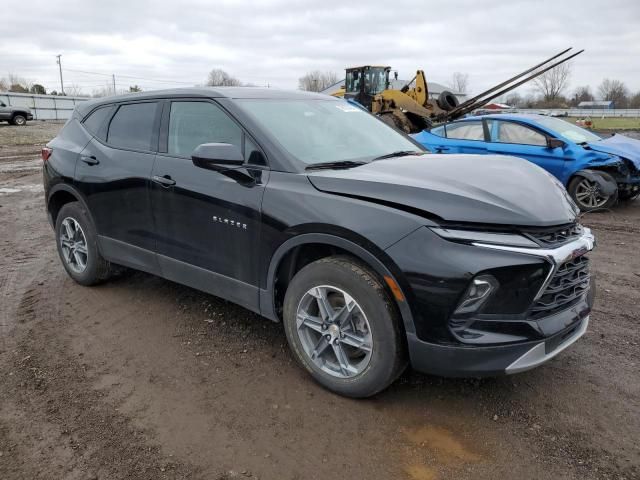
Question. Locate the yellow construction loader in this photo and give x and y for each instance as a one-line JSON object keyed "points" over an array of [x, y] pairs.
{"points": [[410, 109]]}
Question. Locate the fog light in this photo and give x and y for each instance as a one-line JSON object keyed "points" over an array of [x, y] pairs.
{"points": [[477, 294]]}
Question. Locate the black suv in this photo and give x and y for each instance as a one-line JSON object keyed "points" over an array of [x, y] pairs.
{"points": [[310, 211]]}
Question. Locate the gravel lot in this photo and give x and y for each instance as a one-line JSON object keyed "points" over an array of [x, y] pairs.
{"points": [[141, 378]]}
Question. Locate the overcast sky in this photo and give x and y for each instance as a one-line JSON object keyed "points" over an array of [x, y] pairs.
{"points": [[275, 42]]}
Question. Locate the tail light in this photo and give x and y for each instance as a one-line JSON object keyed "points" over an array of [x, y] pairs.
{"points": [[46, 153]]}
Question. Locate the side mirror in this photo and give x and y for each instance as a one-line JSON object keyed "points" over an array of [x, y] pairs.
{"points": [[555, 143], [215, 155]]}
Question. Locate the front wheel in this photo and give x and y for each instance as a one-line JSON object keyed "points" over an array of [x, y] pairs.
{"points": [[588, 195], [343, 327], [19, 120]]}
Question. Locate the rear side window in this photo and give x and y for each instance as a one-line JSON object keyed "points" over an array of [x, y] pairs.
{"points": [[195, 123], [466, 130], [94, 122], [132, 126]]}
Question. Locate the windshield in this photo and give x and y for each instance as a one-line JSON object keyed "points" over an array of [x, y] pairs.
{"points": [[570, 132], [318, 131]]}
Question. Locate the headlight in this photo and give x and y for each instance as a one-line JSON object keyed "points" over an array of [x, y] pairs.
{"points": [[471, 236]]}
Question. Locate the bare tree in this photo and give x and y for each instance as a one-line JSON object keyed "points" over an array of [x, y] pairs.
{"points": [[552, 82], [4, 85], [316, 81], [460, 82], [514, 99], [220, 78], [73, 90], [615, 91], [582, 94], [634, 101]]}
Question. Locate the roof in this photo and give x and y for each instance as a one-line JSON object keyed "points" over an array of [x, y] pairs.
{"points": [[205, 92], [507, 116]]}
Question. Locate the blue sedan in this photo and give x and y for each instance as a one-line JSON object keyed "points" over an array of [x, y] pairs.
{"points": [[596, 171]]}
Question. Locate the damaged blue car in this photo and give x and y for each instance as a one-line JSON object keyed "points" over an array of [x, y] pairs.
{"points": [[596, 171]]}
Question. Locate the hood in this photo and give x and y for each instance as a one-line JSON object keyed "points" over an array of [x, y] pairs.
{"points": [[621, 146], [458, 188]]}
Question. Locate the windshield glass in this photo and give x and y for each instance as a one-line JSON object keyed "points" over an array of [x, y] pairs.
{"points": [[318, 131], [568, 131]]}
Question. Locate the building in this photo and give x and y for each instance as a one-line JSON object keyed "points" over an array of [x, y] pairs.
{"points": [[603, 105], [435, 89]]}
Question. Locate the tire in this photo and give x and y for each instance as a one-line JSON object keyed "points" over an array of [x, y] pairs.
{"points": [[578, 185], [447, 101], [373, 323], [88, 267], [19, 120]]}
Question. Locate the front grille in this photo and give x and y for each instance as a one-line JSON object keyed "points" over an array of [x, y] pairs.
{"points": [[566, 288], [555, 236]]}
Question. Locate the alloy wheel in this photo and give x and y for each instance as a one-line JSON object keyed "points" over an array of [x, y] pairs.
{"points": [[74, 245], [334, 331], [588, 195]]}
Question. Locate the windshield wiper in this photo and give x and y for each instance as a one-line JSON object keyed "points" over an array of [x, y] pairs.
{"points": [[334, 165], [399, 153]]}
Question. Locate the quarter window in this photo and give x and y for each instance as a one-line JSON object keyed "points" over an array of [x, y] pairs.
{"points": [[94, 122], [132, 126], [194, 123], [510, 132]]}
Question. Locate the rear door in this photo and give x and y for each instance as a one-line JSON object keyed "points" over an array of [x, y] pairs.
{"points": [[113, 172], [208, 221], [459, 137], [517, 139]]}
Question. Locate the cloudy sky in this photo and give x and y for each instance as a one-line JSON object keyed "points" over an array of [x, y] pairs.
{"points": [[161, 43]]}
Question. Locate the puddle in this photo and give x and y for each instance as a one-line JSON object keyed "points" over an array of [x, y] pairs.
{"points": [[33, 187], [9, 167]]}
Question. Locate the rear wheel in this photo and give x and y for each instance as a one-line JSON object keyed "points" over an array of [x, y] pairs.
{"points": [[19, 120], [77, 246], [588, 195], [343, 328]]}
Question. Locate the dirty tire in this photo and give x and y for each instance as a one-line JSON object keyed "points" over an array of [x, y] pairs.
{"points": [[388, 354], [573, 192], [97, 268], [19, 120], [447, 101]]}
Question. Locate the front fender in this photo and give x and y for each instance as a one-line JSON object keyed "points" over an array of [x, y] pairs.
{"points": [[267, 297], [607, 186]]}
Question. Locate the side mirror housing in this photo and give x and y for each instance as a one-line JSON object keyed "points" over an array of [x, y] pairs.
{"points": [[212, 155], [555, 143]]}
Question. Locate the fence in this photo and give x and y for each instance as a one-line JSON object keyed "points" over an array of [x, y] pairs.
{"points": [[43, 107], [583, 112]]}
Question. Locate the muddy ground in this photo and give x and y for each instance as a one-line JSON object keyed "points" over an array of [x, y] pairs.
{"points": [[141, 378]]}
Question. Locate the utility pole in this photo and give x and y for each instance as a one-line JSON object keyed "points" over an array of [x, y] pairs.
{"points": [[113, 76], [60, 68]]}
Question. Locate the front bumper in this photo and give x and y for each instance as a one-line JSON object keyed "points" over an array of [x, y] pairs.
{"points": [[473, 361], [29, 116]]}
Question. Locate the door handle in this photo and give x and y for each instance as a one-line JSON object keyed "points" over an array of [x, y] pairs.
{"points": [[165, 181], [442, 149], [90, 160]]}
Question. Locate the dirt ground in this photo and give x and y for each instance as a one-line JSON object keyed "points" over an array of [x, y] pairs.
{"points": [[141, 378]]}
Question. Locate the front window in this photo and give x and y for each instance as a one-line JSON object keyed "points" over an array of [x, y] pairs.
{"points": [[568, 131], [375, 80], [510, 132], [317, 131]]}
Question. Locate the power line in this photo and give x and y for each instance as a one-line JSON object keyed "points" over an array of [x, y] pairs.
{"points": [[156, 80]]}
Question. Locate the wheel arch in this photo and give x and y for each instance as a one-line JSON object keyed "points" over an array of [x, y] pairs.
{"points": [[608, 186], [285, 263], [60, 195]]}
